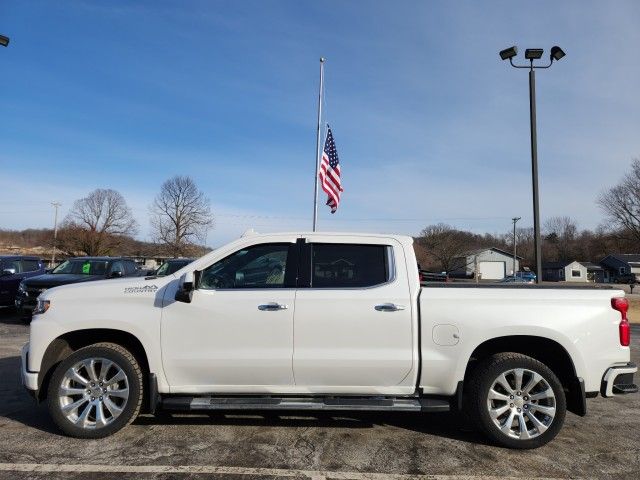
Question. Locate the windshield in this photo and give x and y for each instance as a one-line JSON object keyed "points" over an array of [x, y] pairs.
{"points": [[82, 267]]}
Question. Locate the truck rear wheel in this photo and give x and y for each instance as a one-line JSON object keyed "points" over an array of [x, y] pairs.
{"points": [[517, 401], [96, 391]]}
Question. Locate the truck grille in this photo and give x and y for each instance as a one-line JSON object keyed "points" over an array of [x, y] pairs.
{"points": [[34, 292]]}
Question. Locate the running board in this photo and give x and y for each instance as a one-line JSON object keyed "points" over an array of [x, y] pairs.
{"points": [[380, 404]]}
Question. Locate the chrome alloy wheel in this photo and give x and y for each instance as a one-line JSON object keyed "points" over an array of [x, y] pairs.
{"points": [[93, 393], [521, 403]]}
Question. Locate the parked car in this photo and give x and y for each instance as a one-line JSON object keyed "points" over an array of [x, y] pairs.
{"points": [[74, 270], [530, 276], [367, 337], [14, 269], [171, 266], [517, 279]]}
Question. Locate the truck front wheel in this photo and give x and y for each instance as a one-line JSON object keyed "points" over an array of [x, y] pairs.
{"points": [[517, 401], [96, 391]]}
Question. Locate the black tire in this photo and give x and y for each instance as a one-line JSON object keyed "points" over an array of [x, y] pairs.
{"points": [[480, 382], [129, 365]]}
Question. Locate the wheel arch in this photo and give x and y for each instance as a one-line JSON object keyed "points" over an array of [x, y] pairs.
{"points": [[64, 345], [543, 349]]}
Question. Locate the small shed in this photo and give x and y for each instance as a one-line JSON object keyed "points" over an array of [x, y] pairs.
{"points": [[491, 263]]}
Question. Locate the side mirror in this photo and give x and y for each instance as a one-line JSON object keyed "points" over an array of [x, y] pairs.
{"points": [[8, 271], [186, 288]]}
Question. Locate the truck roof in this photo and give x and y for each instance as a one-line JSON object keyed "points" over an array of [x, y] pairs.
{"points": [[399, 238]]}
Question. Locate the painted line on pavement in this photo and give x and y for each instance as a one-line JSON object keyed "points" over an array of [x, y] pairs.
{"points": [[212, 469]]}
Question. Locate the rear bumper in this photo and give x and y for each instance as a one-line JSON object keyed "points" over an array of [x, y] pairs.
{"points": [[29, 379], [618, 380]]}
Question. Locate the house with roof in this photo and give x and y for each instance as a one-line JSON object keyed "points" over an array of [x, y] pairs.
{"points": [[620, 266], [490, 263], [572, 271]]}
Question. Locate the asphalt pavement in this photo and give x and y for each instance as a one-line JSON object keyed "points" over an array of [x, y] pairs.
{"points": [[604, 444]]}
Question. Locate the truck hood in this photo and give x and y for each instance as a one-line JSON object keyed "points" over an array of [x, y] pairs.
{"points": [[115, 289], [49, 280]]}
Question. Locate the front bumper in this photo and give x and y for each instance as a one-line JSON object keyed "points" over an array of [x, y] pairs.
{"points": [[618, 380], [25, 303], [29, 379]]}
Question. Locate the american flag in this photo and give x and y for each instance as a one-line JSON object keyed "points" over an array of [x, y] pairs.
{"points": [[330, 172]]}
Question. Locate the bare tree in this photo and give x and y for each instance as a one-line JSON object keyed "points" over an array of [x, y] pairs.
{"points": [[621, 203], [446, 245], [97, 222], [180, 215], [561, 233]]}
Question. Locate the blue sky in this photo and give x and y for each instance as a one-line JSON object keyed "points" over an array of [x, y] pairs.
{"points": [[429, 124]]}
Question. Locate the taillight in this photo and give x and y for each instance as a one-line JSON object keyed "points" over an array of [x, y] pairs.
{"points": [[622, 306]]}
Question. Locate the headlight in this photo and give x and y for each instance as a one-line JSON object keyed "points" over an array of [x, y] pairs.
{"points": [[41, 307], [22, 288]]}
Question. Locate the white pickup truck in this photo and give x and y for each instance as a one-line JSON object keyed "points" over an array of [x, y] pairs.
{"points": [[320, 321]]}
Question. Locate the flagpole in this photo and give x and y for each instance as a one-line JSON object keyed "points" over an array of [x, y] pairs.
{"points": [[315, 183]]}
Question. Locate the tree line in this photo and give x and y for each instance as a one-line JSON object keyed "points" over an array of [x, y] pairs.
{"points": [[102, 223], [437, 246]]}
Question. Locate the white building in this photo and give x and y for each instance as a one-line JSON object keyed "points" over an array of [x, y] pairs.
{"points": [[491, 263]]}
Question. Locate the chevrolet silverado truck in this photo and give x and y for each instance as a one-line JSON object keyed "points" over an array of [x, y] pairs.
{"points": [[321, 321]]}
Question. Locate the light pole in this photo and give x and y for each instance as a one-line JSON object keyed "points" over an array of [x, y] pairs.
{"points": [[514, 220], [532, 54]]}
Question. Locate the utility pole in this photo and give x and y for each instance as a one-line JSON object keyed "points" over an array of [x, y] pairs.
{"points": [[514, 220], [55, 231]]}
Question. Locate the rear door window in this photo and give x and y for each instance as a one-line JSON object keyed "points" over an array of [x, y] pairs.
{"points": [[30, 265], [349, 265]]}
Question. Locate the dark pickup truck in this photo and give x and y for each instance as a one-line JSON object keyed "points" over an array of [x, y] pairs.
{"points": [[74, 270], [13, 270]]}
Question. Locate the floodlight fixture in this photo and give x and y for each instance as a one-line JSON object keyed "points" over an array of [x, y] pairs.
{"points": [[509, 53], [4, 41], [533, 53], [556, 53]]}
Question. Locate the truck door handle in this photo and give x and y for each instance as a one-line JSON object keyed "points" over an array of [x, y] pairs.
{"points": [[272, 306], [389, 307]]}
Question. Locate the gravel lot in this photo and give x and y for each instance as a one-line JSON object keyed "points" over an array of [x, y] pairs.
{"points": [[604, 444]]}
